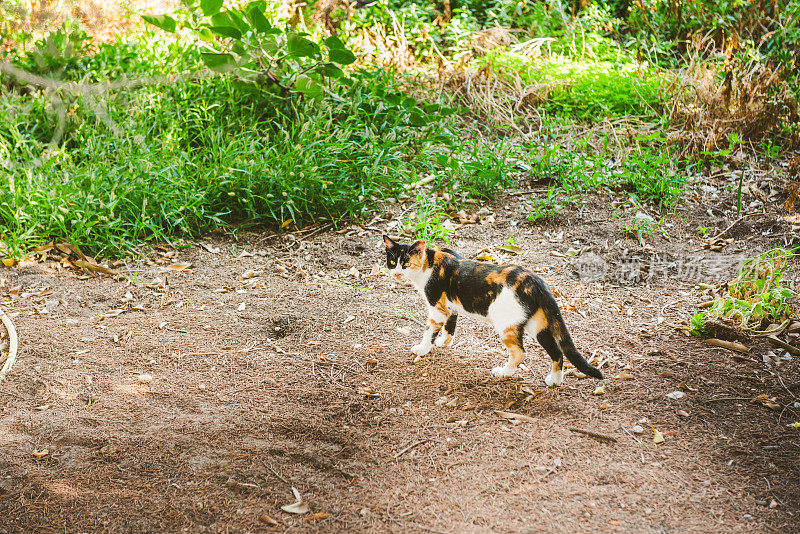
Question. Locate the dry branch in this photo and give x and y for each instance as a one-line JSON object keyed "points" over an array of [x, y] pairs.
{"points": [[12, 344]]}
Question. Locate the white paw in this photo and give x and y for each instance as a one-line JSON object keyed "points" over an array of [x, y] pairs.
{"points": [[554, 378], [502, 371], [444, 341], [421, 350]]}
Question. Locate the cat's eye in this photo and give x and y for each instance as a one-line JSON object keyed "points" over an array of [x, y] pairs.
{"points": [[392, 263]]}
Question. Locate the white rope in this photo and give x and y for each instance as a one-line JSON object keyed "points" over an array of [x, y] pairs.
{"points": [[12, 344]]}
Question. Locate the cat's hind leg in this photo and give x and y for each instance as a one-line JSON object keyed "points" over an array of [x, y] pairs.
{"points": [[445, 338], [548, 342], [512, 339]]}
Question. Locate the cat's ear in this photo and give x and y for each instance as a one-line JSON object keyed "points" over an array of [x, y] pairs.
{"points": [[388, 242], [417, 248]]}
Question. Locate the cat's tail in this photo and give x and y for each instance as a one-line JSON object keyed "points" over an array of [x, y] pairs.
{"points": [[572, 354]]}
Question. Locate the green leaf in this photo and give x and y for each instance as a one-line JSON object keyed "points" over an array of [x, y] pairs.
{"points": [[226, 31], [300, 46], [308, 87], [165, 22], [218, 62], [256, 17], [341, 56], [210, 7], [205, 34], [417, 119], [334, 43], [332, 71]]}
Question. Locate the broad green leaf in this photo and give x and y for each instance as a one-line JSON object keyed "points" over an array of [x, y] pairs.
{"points": [[205, 34], [256, 17], [417, 119], [341, 56], [218, 62], [210, 7], [308, 87], [165, 22], [332, 71], [300, 46], [334, 42], [227, 31], [238, 21]]}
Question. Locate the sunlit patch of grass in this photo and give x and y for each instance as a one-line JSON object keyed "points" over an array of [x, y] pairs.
{"points": [[585, 88]]}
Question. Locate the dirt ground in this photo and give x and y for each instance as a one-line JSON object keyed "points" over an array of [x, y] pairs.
{"points": [[194, 400]]}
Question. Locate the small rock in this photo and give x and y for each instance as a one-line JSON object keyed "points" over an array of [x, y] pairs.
{"points": [[746, 517], [637, 429], [675, 395], [145, 378]]}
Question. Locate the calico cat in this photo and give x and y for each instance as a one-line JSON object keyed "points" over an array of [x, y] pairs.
{"points": [[512, 298]]}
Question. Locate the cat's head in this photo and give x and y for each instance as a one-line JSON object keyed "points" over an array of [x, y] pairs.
{"points": [[405, 260]]}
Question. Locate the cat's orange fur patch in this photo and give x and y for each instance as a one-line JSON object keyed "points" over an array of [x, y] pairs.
{"points": [[556, 366], [441, 305], [435, 324], [538, 320], [496, 277]]}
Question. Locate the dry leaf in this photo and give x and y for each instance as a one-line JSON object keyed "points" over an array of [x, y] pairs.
{"points": [[267, 520], [599, 390], [676, 395], [286, 223], [515, 416], [604, 406], [112, 313], [317, 516], [40, 453], [683, 413], [368, 392], [657, 437], [181, 267], [42, 407], [9, 262], [296, 508], [624, 376], [250, 273], [484, 255], [512, 249], [209, 248]]}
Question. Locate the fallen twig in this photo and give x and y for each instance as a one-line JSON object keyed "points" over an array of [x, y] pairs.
{"points": [[12, 344], [734, 223], [595, 435], [409, 447]]}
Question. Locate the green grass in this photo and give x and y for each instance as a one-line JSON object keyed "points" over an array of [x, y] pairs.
{"points": [[757, 298], [586, 88], [648, 174], [175, 160]]}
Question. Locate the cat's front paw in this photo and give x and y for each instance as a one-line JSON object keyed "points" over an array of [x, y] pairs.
{"points": [[444, 341], [421, 350], [502, 371]]}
